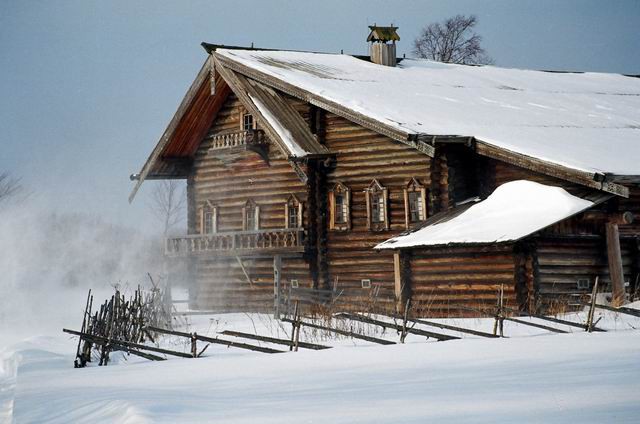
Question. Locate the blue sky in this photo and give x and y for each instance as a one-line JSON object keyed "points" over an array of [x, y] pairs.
{"points": [[87, 88]]}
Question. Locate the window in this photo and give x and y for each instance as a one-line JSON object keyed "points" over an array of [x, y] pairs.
{"points": [[416, 212], [294, 284], [208, 218], [415, 203], [247, 122], [293, 212], [250, 216], [377, 199], [583, 284], [339, 207], [366, 283]]}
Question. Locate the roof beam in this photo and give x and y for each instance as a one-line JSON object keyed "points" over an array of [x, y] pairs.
{"points": [[585, 178], [202, 76]]}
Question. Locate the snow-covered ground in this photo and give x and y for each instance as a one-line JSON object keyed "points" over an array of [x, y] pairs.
{"points": [[532, 376]]}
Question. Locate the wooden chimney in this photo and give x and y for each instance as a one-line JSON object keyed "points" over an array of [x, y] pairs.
{"points": [[382, 44]]}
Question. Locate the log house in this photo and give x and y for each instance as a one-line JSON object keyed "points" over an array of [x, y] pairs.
{"points": [[294, 180]]}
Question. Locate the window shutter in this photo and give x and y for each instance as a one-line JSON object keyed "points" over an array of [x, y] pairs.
{"points": [[385, 198], [425, 210], [244, 218], [286, 214], [407, 212], [257, 218], [368, 202], [348, 202], [300, 215], [332, 210]]}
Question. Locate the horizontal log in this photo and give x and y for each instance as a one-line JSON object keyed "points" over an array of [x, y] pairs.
{"points": [[361, 318], [274, 340], [454, 328], [216, 340], [346, 333], [105, 340]]}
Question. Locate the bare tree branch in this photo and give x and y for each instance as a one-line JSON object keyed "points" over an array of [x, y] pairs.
{"points": [[9, 187], [452, 41], [168, 203]]}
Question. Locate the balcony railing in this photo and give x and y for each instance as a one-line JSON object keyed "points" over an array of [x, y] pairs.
{"points": [[231, 140], [289, 240]]}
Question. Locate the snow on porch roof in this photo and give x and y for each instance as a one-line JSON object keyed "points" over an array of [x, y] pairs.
{"points": [[584, 121], [514, 210]]}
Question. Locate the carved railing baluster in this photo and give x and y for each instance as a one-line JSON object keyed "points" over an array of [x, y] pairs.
{"points": [[287, 239]]}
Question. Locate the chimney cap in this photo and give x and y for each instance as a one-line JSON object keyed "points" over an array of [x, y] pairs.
{"points": [[383, 34]]}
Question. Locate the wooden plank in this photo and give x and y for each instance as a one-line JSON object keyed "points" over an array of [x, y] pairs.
{"points": [[556, 320], [105, 340], [216, 340], [531, 324], [454, 328], [277, 273], [361, 318], [343, 332], [622, 310], [274, 340]]}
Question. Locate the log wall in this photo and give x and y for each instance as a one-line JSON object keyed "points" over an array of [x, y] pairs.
{"points": [[560, 263], [361, 156], [462, 281]]}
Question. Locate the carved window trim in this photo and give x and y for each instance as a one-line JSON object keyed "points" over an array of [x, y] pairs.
{"points": [[293, 205], [377, 198], [208, 211], [414, 186], [247, 224], [340, 220]]}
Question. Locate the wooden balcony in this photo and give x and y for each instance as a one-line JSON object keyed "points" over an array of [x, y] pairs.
{"points": [[240, 243], [229, 146]]}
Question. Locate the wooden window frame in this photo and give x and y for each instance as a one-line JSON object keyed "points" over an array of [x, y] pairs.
{"points": [[243, 113], [379, 190], [256, 216], [202, 212], [345, 191], [414, 186], [293, 201]]}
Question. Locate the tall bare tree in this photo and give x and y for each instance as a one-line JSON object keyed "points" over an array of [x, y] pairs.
{"points": [[452, 41], [168, 203], [10, 187]]}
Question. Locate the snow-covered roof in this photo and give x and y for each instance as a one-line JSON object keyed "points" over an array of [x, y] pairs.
{"points": [[584, 121], [285, 134], [514, 210]]}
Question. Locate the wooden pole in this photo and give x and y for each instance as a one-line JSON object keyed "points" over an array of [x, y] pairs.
{"points": [[194, 345], [397, 273], [501, 321], [403, 334], [277, 269], [361, 318], [616, 271], [293, 326], [592, 307], [344, 333], [302, 345]]}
